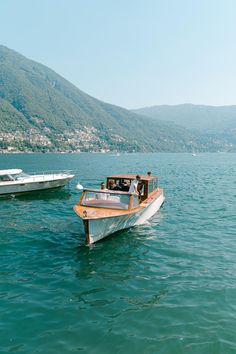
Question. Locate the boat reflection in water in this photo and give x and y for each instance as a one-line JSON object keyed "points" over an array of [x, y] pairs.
{"points": [[106, 211]]}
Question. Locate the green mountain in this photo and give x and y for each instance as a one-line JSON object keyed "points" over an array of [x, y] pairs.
{"points": [[40, 110]]}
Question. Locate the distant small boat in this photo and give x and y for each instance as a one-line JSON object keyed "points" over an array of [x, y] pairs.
{"points": [[105, 211], [193, 154], [15, 181]]}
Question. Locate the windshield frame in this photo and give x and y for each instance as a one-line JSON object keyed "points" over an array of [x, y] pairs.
{"points": [[133, 201]]}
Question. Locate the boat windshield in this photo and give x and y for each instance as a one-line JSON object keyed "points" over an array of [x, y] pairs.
{"points": [[104, 199], [22, 175], [6, 178]]}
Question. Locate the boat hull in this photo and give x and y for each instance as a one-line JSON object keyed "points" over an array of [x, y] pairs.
{"points": [[25, 187], [97, 229]]}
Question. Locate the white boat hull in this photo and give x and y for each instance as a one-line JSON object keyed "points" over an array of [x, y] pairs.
{"points": [[97, 229], [25, 186]]}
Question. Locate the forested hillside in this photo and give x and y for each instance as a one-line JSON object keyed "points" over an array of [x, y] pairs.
{"points": [[41, 111]]}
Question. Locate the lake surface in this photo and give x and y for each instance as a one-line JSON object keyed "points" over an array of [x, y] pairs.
{"points": [[165, 287]]}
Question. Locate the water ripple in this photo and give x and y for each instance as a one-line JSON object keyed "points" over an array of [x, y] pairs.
{"points": [[164, 287]]}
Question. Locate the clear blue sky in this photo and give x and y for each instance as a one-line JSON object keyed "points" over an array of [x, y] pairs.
{"points": [[131, 53]]}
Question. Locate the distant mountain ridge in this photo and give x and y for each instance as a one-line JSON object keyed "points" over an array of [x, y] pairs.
{"points": [[199, 117], [42, 111], [216, 125]]}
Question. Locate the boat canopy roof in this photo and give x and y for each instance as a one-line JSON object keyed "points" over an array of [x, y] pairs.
{"points": [[133, 176], [15, 171]]}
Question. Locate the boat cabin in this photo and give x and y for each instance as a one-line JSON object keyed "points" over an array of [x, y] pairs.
{"points": [[9, 175], [117, 196], [146, 186]]}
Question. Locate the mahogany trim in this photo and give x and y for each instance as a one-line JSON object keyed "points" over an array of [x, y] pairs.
{"points": [[130, 202], [103, 213]]}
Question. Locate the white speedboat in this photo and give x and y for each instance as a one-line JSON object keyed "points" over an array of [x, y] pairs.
{"points": [[106, 211], [15, 181]]}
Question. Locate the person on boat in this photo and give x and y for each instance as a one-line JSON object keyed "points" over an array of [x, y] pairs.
{"points": [[102, 196], [111, 184], [134, 185], [140, 189], [125, 187], [149, 173], [114, 186]]}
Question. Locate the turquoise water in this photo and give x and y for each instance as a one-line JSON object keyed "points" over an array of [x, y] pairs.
{"points": [[165, 287]]}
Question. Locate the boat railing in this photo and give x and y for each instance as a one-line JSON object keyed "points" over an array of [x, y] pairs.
{"points": [[50, 172], [110, 191], [43, 174]]}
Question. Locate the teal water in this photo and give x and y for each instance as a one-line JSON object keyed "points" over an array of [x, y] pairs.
{"points": [[165, 287]]}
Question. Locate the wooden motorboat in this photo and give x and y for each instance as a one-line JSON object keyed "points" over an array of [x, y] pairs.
{"points": [[15, 181], [105, 211]]}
